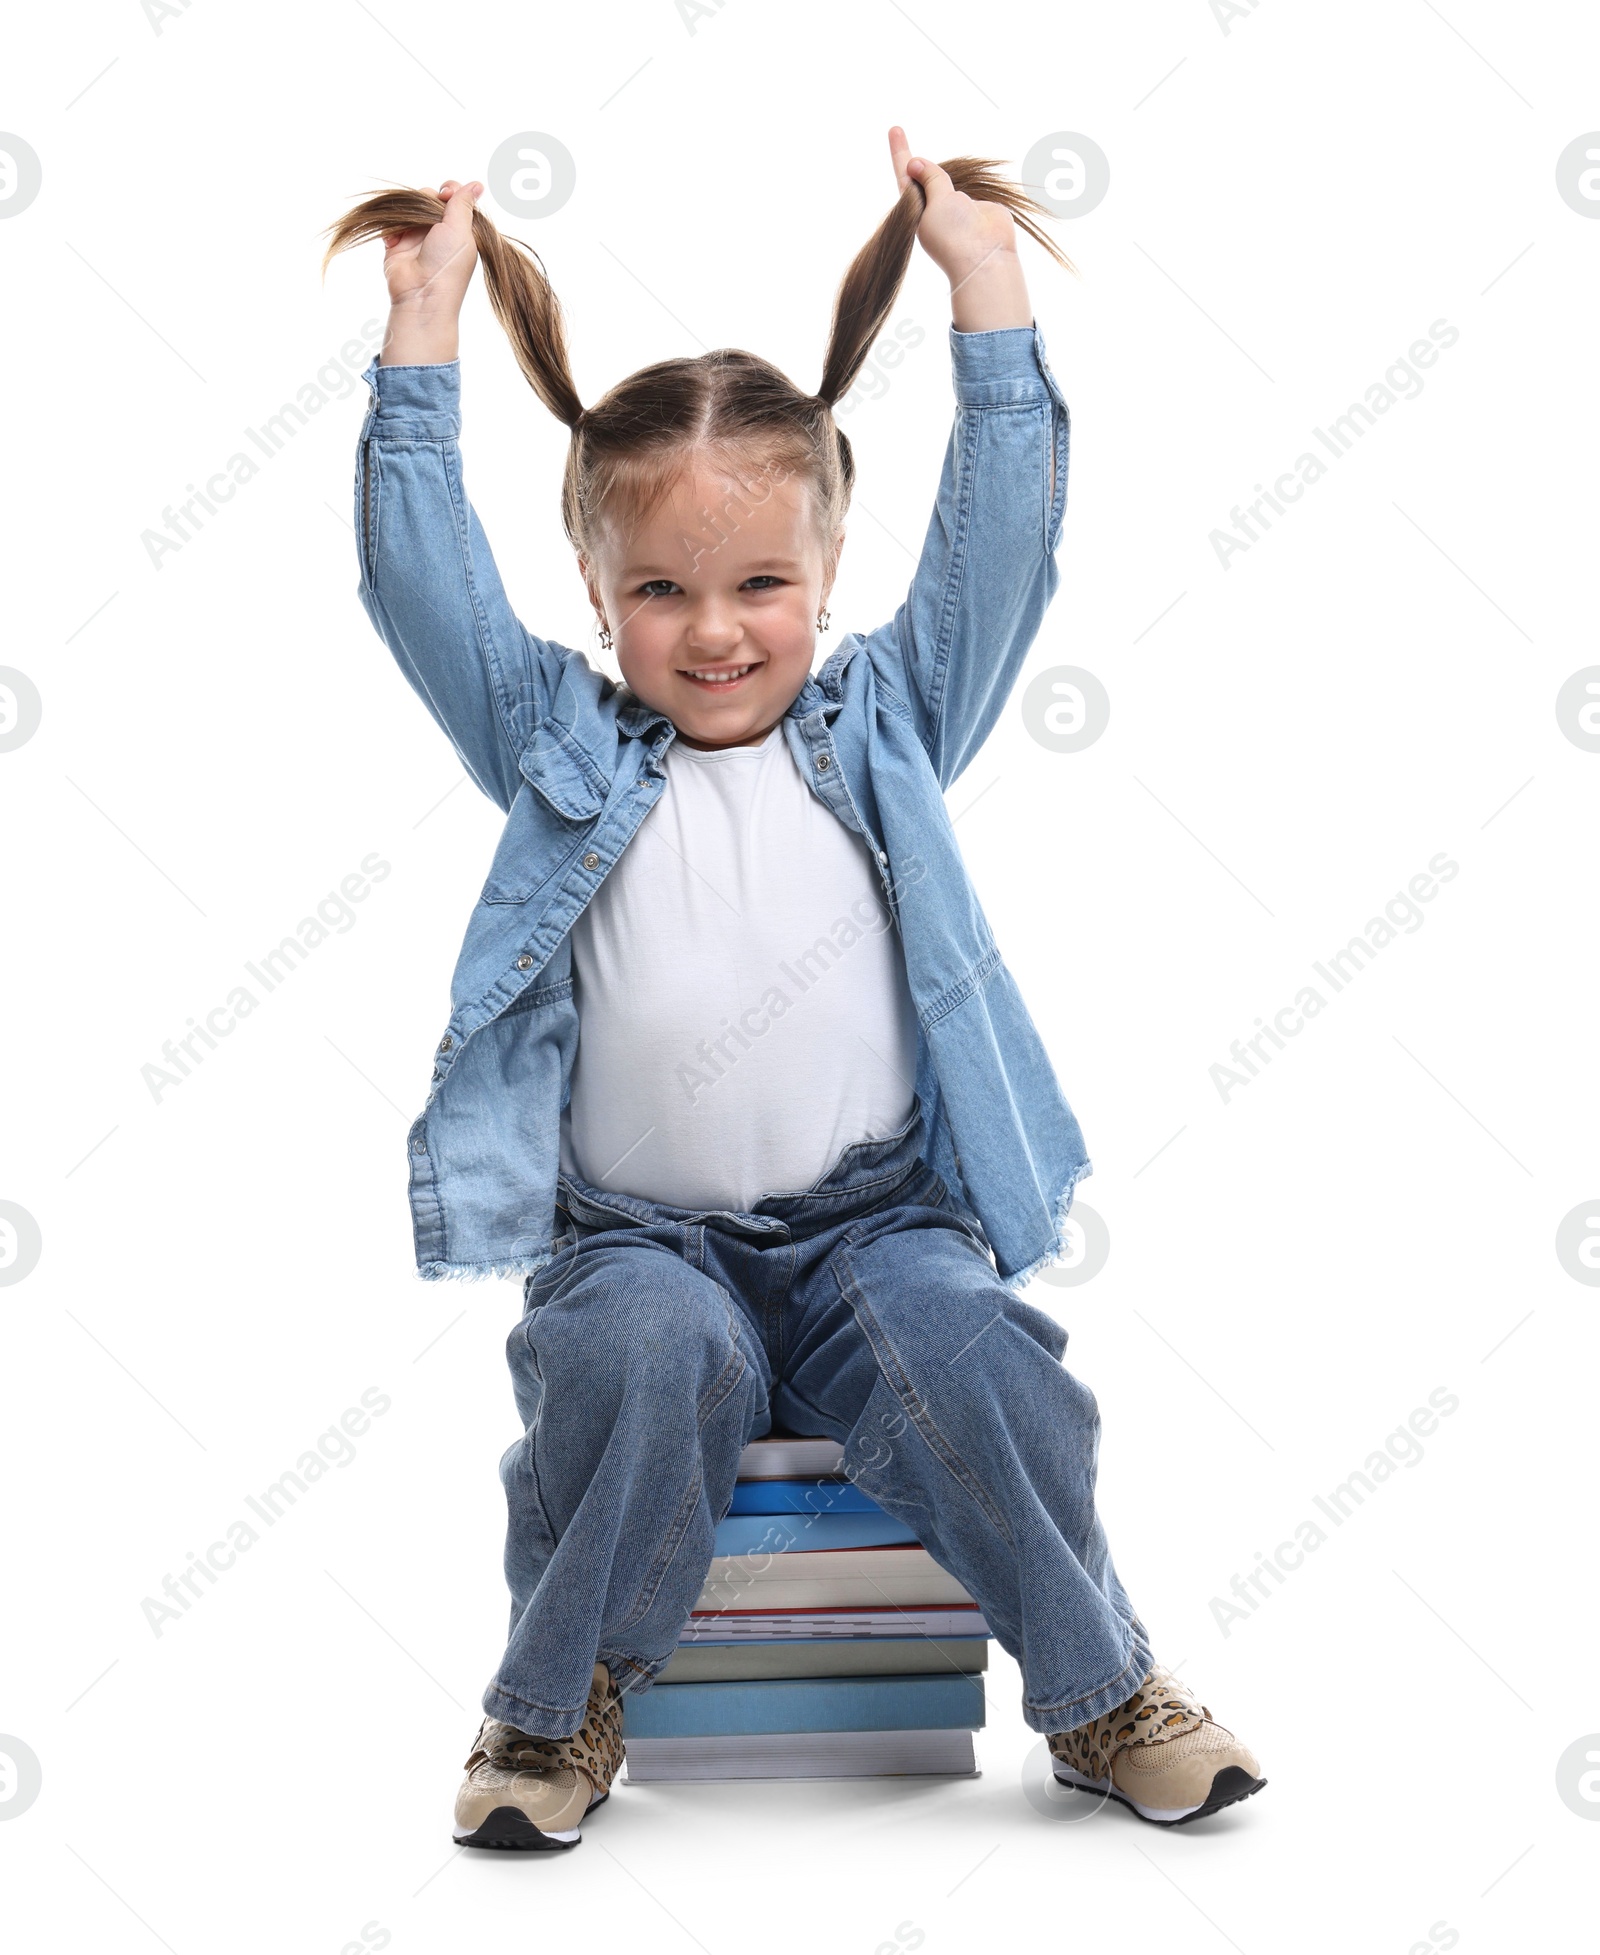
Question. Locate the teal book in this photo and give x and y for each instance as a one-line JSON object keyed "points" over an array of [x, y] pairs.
{"points": [[760, 1534], [801, 1497], [698, 1710]]}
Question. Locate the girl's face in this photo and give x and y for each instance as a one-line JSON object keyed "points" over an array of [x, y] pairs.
{"points": [[712, 602]]}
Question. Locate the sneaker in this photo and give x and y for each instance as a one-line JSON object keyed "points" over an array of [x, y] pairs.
{"points": [[527, 1794], [1161, 1753]]}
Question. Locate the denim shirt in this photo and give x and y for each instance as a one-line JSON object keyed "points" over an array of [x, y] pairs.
{"points": [[878, 731]]}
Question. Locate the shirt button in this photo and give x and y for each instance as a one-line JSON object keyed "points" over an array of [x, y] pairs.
{"points": [[419, 1147], [881, 856], [446, 1042], [524, 961], [591, 860], [823, 763]]}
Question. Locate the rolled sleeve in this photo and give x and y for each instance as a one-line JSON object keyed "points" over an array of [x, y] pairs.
{"points": [[422, 402], [1003, 368]]}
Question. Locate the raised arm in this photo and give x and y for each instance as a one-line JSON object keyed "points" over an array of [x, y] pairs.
{"points": [[987, 571], [428, 581]]}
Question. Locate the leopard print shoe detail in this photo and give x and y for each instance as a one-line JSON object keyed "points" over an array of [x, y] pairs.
{"points": [[1161, 1754], [1157, 1711], [526, 1793]]}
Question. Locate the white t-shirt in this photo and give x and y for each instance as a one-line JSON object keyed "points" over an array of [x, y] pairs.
{"points": [[742, 1000]]}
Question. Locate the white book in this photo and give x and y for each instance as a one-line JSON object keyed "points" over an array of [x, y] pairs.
{"points": [[791, 1458], [808, 1625], [802, 1755], [902, 1577]]}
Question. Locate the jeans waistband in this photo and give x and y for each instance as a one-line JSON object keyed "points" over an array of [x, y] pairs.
{"points": [[865, 1175]]}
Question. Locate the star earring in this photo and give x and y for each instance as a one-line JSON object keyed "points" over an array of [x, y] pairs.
{"points": [[605, 635], [823, 618]]}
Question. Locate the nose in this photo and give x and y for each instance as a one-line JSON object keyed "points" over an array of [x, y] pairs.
{"points": [[714, 631]]}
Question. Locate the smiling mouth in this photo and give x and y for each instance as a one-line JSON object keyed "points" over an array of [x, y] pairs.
{"points": [[717, 678]]}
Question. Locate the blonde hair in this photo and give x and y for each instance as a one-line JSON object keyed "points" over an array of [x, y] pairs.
{"points": [[630, 446]]}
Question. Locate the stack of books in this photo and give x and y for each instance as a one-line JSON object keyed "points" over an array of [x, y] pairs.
{"points": [[826, 1642]]}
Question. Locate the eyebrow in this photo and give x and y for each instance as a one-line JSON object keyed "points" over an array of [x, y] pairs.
{"points": [[649, 569]]}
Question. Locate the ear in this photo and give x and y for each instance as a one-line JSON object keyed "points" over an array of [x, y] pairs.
{"points": [[831, 564]]}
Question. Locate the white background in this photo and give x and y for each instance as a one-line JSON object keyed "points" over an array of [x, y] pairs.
{"points": [[1293, 202]]}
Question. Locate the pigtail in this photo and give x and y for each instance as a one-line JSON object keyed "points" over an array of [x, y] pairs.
{"points": [[513, 276], [871, 285]]}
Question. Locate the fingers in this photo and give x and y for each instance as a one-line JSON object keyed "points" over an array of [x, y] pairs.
{"points": [[460, 203], [459, 200], [899, 154], [935, 182]]}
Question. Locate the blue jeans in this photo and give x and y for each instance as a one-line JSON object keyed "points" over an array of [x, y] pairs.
{"points": [[659, 1341]]}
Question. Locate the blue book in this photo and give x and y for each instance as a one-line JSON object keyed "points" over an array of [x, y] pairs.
{"points": [[700, 1710], [796, 1533], [801, 1497]]}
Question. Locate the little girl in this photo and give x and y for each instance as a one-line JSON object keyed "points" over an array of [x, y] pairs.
{"points": [[734, 1076]]}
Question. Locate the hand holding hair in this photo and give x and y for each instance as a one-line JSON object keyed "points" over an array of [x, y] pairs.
{"points": [[432, 241], [432, 267], [959, 232], [966, 216], [970, 233]]}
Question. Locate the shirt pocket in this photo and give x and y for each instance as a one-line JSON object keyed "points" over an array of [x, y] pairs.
{"points": [[562, 796]]}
